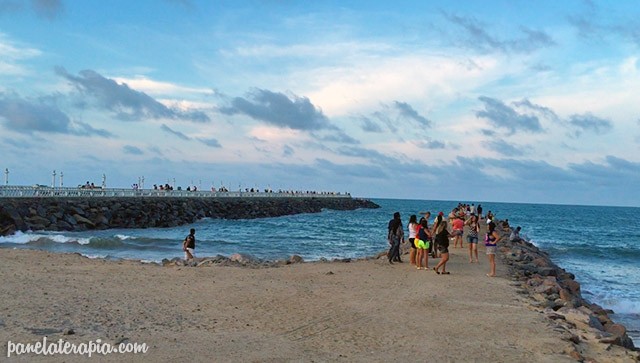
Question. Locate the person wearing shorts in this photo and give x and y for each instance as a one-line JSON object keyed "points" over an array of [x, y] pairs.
{"points": [[413, 228], [491, 246], [422, 245], [458, 230], [442, 243], [189, 245], [472, 237]]}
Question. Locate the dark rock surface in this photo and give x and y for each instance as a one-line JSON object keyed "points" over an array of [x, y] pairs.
{"points": [[80, 214], [557, 292]]}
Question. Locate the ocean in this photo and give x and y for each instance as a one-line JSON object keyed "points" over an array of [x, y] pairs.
{"points": [[600, 245]]}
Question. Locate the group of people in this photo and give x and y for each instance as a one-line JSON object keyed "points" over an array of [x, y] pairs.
{"points": [[87, 185], [162, 187], [426, 241]]}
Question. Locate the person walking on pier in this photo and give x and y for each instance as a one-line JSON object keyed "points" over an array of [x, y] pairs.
{"points": [[442, 242], [189, 245], [491, 246], [472, 237]]}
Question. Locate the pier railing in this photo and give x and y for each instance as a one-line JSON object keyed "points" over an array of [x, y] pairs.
{"points": [[11, 191]]}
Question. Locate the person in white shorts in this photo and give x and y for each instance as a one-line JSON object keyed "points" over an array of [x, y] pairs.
{"points": [[189, 245]]}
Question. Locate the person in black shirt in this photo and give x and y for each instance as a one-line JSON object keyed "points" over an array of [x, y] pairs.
{"points": [[189, 245], [442, 241], [395, 236]]}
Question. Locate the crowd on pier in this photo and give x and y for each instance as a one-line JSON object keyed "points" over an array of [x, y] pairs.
{"points": [[433, 240], [168, 187]]}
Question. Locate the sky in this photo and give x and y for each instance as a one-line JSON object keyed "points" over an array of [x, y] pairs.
{"points": [[504, 101]]}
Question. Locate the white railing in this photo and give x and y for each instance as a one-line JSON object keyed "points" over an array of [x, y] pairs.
{"points": [[16, 191]]}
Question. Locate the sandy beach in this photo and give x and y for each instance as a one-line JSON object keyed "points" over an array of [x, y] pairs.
{"points": [[365, 310]]}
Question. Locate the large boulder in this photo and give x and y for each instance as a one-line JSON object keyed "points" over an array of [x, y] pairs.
{"points": [[620, 336], [242, 259], [295, 259]]}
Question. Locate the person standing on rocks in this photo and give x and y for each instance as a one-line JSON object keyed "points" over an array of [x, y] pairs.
{"points": [[515, 235], [189, 245], [395, 237]]}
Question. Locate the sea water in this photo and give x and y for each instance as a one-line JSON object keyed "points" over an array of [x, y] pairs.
{"points": [[600, 245]]}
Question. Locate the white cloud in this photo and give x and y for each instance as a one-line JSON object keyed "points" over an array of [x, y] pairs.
{"points": [[11, 56], [276, 134], [159, 88]]}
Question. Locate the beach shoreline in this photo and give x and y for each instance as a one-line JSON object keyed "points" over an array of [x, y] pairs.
{"points": [[364, 309]]}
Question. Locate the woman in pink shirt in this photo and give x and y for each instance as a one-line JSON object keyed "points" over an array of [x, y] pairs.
{"points": [[458, 229]]}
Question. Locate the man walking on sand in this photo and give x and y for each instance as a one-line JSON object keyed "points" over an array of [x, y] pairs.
{"points": [[189, 245]]}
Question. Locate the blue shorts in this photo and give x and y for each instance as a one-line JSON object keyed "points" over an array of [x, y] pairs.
{"points": [[472, 239]]}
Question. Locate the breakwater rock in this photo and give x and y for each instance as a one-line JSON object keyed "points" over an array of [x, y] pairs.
{"points": [[556, 293], [80, 214]]}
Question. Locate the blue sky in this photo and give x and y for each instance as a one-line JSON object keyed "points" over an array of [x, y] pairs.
{"points": [[516, 101]]}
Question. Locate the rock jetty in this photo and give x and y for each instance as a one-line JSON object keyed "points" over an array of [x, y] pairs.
{"points": [[555, 293], [80, 214]]}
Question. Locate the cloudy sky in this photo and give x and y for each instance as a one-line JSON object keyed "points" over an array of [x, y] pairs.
{"points": [[517, 101]]}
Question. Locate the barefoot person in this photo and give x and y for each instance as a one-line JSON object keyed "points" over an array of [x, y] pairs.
{"points": [[422, 244], [395, 237], [458, 230], [439, 219], [472, 237], [442, 242], [189, 245], [491, 243], [413, 227]]}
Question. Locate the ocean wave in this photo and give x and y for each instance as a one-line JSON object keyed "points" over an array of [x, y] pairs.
{"points": [[17, 238], [36, 238], [624, 307], [94, 255], [106, 243]]}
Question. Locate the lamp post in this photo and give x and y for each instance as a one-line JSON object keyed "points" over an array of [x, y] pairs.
{"points": [[142, 183], [6, 176], [104, 181], [53, 182], [61, 179]]}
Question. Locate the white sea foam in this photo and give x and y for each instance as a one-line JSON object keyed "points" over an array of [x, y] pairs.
{"points": [[625, 307], [59, 238], [19, 237], [124, 237], [94, 256], [26, 237]]}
